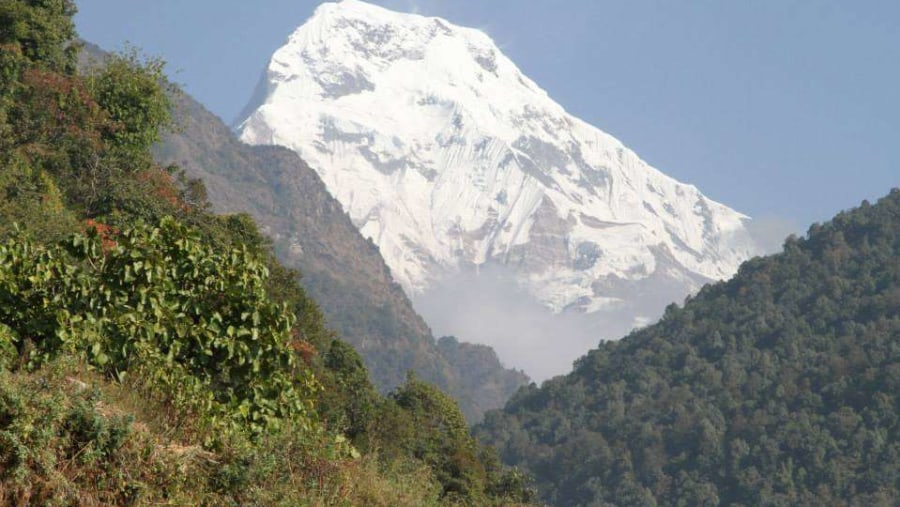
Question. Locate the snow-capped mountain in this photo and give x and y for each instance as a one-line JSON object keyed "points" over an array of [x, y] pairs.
{"points": [[449, 158]]}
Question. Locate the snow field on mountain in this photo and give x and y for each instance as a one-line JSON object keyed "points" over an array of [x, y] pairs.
{"points": [[451, 159]]}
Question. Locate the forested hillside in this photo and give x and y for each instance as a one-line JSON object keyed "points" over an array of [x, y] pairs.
{"points": [[778, 387], [152, 352]]}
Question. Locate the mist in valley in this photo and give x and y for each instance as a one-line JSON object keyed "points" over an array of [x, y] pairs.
{"points": [[488, 306]]}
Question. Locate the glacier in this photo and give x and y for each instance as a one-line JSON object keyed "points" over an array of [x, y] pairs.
{"points": [[452, 161]]}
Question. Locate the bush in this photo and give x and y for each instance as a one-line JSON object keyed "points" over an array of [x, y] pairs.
{"points": [[194, 319]]}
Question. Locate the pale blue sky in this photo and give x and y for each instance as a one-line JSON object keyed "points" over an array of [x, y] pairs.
{"points": [[782, 109]]}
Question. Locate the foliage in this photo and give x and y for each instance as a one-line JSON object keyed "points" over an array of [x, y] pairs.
{"points": [[29, 196], [130, 89], [421, 421], [209, 358], [192, 327], [12, 62], [778, 387], [189, 316], [436, 432], [348, 401], [91, 135], [56, 127], [43, 31], [47, 425], [70, 437], [475, 366]]}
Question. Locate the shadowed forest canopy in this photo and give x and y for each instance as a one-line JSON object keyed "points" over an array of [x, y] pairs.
{"points": [[778, 387]]}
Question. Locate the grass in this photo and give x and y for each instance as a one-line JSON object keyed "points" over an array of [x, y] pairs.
{"points": [[71, 437]]}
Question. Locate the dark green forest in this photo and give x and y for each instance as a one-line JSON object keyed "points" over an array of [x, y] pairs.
{"points": [[152, 352], [779, 387]]}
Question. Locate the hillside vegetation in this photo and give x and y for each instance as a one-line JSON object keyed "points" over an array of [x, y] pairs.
{"points": [[153, 353], [778, 387]]}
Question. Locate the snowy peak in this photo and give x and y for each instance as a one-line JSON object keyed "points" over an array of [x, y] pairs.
{"points": [[449, 158], [345, 46]]}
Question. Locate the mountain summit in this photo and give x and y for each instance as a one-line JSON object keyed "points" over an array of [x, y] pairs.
{"points": [[451, 160]]}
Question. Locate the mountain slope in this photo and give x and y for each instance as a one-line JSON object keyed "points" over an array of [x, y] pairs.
{"points": [[436, 142], [449, 159], [778, 387], [342, 271]]}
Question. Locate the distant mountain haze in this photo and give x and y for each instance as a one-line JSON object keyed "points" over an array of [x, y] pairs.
{"points": [[509, 221]]}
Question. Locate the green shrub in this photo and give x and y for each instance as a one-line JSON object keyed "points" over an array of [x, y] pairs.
{"points": [[193, 319]]}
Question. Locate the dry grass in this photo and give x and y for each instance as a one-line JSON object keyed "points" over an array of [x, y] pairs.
{"points": [[71, 437]]}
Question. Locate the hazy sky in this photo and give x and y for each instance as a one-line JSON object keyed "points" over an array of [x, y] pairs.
{"points": [[782, 109]]}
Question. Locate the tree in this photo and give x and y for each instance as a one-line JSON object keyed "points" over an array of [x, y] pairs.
{"points": [[43, 30], [132, 91]]}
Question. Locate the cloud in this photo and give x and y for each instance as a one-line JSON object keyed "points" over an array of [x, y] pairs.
{"points": [[769, 232], [489, 307]]}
